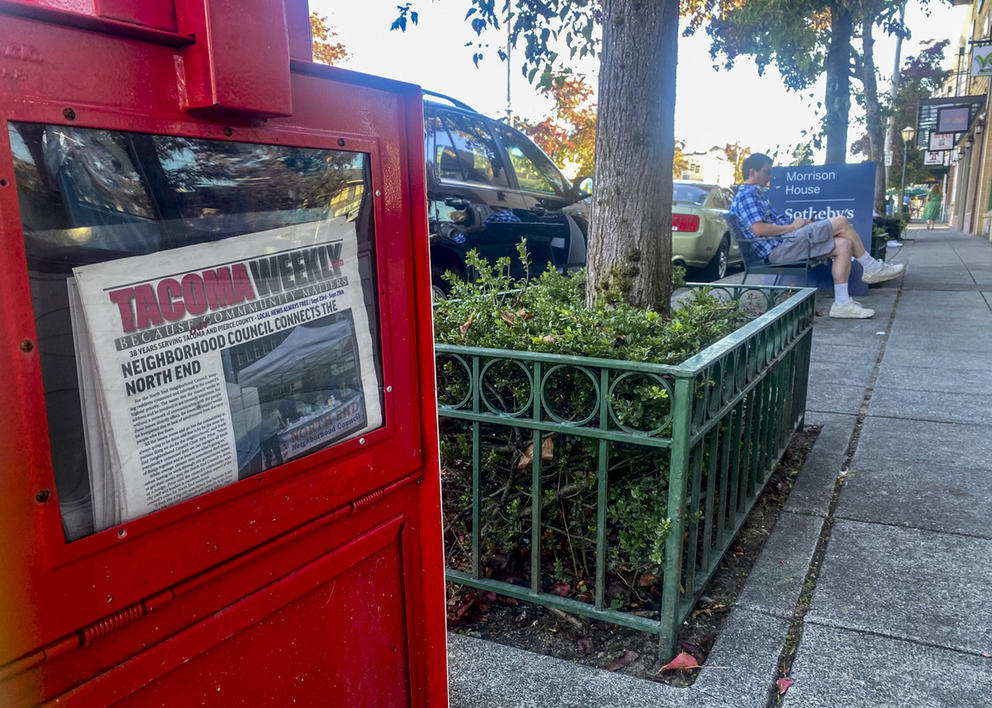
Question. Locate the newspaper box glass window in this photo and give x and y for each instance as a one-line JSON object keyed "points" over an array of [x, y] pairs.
{"points": [[205, 310]]}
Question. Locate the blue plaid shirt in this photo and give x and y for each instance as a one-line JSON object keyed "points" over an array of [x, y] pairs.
{"points": [[750, 205]]}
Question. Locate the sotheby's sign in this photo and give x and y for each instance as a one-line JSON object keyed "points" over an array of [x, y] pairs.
{"points": [[823, 191]]}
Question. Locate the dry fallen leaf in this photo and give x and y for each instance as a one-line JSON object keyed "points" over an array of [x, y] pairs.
{"points": [[784, 684], [463, 330], [549, 339], [508, 317], [524, 315], [561, 588], [683, 661], [547, 449], [547, 453], [625, 659], [526, 458], [585, 645], [647, 579]]}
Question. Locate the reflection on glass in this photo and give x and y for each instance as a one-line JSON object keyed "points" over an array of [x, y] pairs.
{"points": [[88, 196]]}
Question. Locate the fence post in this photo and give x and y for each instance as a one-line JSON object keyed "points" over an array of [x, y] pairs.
{"points": [[678, 474]]}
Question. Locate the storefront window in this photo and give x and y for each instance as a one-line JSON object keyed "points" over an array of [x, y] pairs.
{"points": [[205, 310]]}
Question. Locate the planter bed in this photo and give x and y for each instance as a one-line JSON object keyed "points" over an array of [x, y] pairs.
{"points": [[720, 422]]}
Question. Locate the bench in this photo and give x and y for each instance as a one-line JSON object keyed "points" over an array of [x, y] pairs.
{"points": [[756, 265]]}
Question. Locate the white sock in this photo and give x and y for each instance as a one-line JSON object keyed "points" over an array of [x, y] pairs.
{"points": [[868, 263], [840, 294]]}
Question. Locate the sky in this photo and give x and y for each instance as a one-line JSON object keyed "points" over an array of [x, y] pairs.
{"points": [[433, 55]]}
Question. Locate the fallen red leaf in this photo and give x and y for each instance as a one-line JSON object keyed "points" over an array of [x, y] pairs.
{"points": [[783, 685], [585, 645], [647, 579], [625, 659], [561, 588], [683, 661]]}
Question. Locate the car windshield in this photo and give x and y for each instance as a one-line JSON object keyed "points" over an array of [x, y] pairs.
{"points": [[689, 193]]}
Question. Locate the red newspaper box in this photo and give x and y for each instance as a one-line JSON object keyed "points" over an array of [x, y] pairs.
{"points": [[220, 480]]}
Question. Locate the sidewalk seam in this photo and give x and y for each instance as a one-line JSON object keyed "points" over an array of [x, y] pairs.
{"points": [[895, 637], [956, 534], [794, 635]]}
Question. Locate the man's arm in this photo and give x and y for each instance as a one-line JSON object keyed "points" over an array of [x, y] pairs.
{"points": [[763, 228]]}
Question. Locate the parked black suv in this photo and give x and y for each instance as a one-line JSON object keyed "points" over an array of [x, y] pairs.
{"points": [[488, 187]]}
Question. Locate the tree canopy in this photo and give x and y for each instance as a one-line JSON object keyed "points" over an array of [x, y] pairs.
{"points": [[325, 50], [804, 39]]}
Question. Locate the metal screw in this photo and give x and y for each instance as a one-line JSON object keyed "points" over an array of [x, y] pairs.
{"points": [[361, 441], [340, 142], [389, 389], [228, 131], [43, 496], [378, 193], [69, 114], [122, 533], [27, 345]]}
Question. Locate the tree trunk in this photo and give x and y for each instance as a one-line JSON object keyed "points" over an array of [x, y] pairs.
{"points": [[890, 138], [629, 253], [873, 110], [838, 94]]}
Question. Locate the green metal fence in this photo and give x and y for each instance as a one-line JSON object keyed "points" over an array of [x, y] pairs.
{"points": [[733, 409]]}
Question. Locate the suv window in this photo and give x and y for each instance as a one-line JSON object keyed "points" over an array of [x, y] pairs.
{"points": [[464, 151], [535, 172]]}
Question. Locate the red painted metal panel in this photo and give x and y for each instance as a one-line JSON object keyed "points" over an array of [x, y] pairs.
{"points": [[240, 60], [298, 26], [143, 590], [160, 14]]}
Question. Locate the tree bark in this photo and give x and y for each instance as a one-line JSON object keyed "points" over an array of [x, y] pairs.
{"points": [[630, 238], [890, 139], [873, 110], [838, 93]]}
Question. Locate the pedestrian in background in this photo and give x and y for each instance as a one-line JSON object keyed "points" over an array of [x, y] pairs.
{"points": [[932, 211]]}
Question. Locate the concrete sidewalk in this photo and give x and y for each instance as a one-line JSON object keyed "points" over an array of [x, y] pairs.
{"points": [[898, 555]]}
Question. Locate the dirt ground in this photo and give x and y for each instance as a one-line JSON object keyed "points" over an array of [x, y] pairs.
{"points": [[555, 633]]}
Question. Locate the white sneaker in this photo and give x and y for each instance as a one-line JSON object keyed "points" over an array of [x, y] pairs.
{"points": [[886, 271], [851, 309]]}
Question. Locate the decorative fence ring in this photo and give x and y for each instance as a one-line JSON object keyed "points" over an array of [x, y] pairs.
{"points": [[546, 406], [730, 374], [489, 404], [715, 390], [468, 378], [628, 429]]}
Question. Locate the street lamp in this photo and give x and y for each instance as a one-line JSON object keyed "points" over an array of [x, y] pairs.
{"points": [[908, 133]]}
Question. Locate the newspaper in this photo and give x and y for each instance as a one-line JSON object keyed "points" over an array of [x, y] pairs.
{"points": [[204, 364]]}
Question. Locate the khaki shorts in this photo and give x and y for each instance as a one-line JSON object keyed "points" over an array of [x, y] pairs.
{"points": [[814, 240]]}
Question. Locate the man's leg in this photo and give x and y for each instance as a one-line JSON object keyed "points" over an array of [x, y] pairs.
{"points": [[844, 230], [840, 268], [841, 265], [875, 271]]}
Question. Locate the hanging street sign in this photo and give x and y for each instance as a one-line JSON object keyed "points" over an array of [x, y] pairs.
{"points": [[981, 61]]}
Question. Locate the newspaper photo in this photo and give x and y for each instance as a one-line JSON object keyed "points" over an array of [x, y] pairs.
{"points": [[202, 365]]}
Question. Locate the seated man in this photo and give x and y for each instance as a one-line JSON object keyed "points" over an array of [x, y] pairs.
{"points": [[801, 238]]}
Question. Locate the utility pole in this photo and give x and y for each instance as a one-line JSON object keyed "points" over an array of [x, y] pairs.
{"points": [[509, 109]]}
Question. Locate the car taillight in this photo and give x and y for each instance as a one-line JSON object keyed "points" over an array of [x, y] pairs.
{"points": [[685, 222]]}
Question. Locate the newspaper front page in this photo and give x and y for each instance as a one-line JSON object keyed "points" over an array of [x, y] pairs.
{"points": [[208, 363]]}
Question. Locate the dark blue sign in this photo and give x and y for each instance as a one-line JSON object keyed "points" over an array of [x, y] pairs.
{"points": [[824, 191]]}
